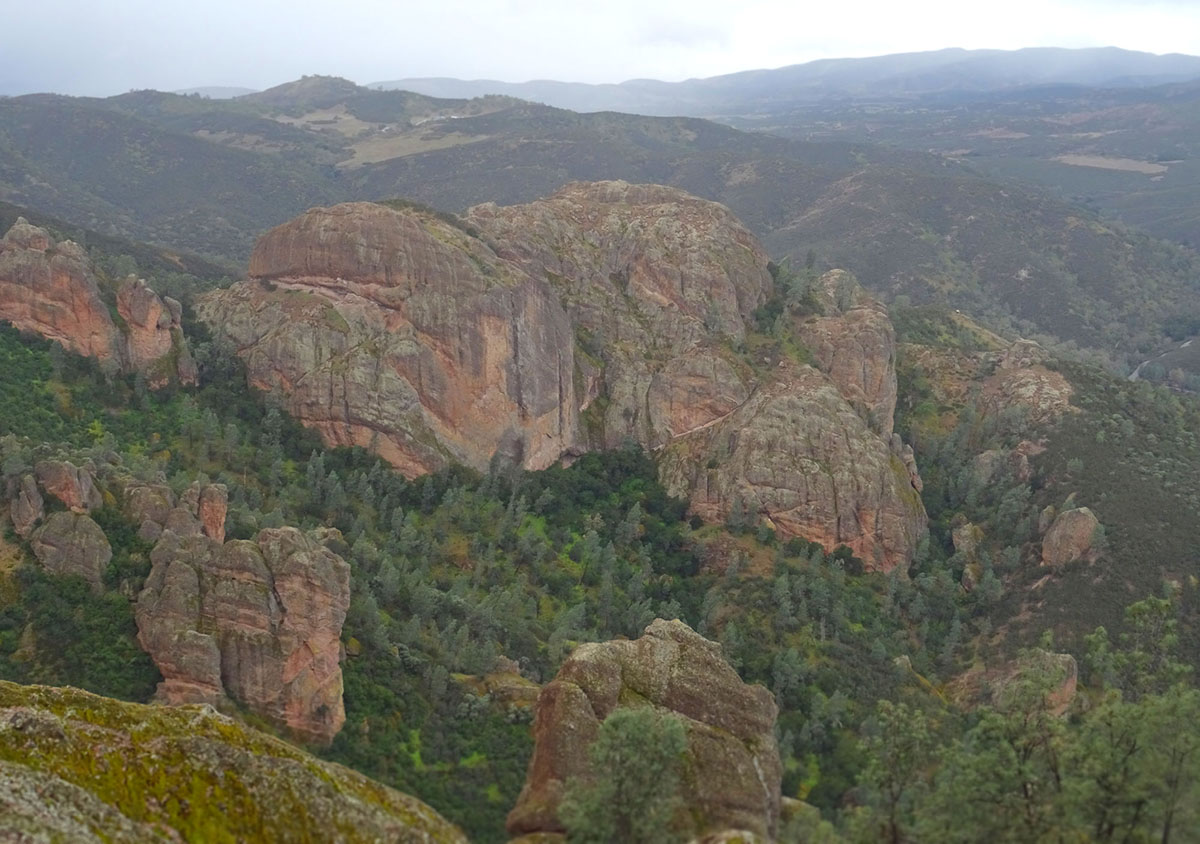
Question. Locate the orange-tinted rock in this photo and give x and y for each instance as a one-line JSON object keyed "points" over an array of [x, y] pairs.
{"points": [[48, 288], [259, 622], [27, 506], [798, 457], [1072, 536], [398, 332], [732, 771], [604, 313], [656, 281], [855, 344], [72, 485], [212, 509]]}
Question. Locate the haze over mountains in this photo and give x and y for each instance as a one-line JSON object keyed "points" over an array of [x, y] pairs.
{"points": [[900, 75]]}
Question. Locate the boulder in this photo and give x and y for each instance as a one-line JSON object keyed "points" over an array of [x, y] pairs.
{"points": [[72, 485], [80, 768], [256, 621], [47, 288], [72, 544], [212, 508], [27, 507], [1072, 536], [732, 769]]}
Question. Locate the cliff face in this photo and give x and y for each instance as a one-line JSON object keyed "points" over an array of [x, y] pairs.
{"points": [[658, 283], [396, 331], [48, 288], [604, 313], [82, 768], [732, 772]]}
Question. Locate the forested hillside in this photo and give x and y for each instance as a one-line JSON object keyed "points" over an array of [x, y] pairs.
{"points": [[973, 677]]}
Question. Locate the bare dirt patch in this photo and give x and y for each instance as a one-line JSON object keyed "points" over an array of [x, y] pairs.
{"points": [[1104, 162], [386, 145]]}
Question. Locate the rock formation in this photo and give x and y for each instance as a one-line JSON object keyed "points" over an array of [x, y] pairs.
{"points": [[604, 313], [399, 332], [82, 768], [657, 283], [797, 455], [200, 511], [732, 770], [27, 506], [855, 344], [48, 288], [74, 486], [72, 544], [1072, 536], [259, 622]]}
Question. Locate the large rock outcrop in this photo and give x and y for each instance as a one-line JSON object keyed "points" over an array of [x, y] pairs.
{"points": [[658, 283], [797, 455], [399, 332], [259, 622], [82, 768], [604, 313], [732, 770], [48, 288]]}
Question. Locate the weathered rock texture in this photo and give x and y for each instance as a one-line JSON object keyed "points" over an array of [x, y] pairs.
{"points": [[732, 769], [799, 456], [77, 767], [259, 622], [657, 283], [74, 486], [855, 344], [72, 544], [604, 313], [1072, 536], [399, 332], [48, 288]]}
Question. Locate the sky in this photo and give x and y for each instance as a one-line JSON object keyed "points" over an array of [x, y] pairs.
{"points": [[103, 47]]}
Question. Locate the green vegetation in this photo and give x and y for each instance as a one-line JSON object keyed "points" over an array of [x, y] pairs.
{"points": [[638, 757]]}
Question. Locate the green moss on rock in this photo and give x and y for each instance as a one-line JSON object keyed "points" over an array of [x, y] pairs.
{"points": [[82, 767]]}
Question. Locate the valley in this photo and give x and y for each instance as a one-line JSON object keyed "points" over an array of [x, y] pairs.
{"points": [[380, 466]]}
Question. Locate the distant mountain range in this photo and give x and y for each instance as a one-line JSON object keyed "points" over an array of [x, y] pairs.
{"points": [[217, 92], [902, 74]]}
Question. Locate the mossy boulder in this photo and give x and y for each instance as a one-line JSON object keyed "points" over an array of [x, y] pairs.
{"points": [[79, 767]]}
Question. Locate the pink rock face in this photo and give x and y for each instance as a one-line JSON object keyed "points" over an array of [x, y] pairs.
{"points": [[398, 332], [603, 313], [70, 484], [212, 509], [47, 288], [732, 768], [27, 507], [855, 344], [259, 622], [797, 456], [72, 544]]}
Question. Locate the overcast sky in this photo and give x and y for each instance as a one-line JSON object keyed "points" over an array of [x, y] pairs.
{"points": [[102, 47]]}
